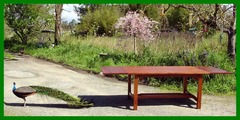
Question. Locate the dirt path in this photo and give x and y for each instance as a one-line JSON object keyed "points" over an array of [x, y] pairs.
{"points": [[108, 94]]}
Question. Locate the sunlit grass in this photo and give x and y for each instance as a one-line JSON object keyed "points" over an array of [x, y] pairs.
{"points": [[9, 56]]}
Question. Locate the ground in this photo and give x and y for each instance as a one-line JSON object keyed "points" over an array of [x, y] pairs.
{"points": [[108, 94]]}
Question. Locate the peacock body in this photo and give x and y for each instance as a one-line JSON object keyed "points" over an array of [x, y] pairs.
{"points": [[23, 92]]}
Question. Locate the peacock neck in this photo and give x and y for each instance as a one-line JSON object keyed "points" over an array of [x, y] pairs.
{"points": [[14, 88]]}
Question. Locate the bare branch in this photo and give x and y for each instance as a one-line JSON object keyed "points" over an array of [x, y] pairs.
{"points": [[66, 10], [225, 30], [146, 7], [165, 10], [228, 9]]}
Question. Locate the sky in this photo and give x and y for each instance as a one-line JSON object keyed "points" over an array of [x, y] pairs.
{"points": [[68, 12]]}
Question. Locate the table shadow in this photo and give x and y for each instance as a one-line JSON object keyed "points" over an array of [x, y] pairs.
{"points": [[122, 101]]}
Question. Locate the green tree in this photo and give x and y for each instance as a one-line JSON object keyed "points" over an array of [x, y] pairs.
{"points": [[100, 21], [26, 20], [152, 11], [178, 19], [83, 9]]}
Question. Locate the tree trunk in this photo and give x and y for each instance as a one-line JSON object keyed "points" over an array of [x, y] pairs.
{"points": [[231, 46], [135, 47], [231, 50], [24, 40], [58, 12], [22, 36]]}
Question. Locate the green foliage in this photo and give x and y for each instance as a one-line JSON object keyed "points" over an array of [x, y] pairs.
{"points": [[82, 10], [8, 32], [26, 19], [178, 19], [150, 10], [10, 42], [72, 101], [210, 32], [17, 48], [9, 56], [153, 12], [14, 44], [100, 22]]}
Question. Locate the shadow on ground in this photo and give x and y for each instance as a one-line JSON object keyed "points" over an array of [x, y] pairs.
{"points": [[116, 101], [41, 105], [122, 101]]}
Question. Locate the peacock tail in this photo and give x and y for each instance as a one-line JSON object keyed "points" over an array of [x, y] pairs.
{"points": [[71, 100]]}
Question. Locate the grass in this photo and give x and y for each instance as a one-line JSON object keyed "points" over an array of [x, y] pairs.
{"points": [[9, 56], [84, 53]]}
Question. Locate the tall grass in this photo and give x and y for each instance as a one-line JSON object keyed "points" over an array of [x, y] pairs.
{"points": [[85, 53]]}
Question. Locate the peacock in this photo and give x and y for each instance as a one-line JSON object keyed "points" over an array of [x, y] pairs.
{"points": [[23, 92]]}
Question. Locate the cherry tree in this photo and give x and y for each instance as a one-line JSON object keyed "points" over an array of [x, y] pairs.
{"points": [[136, 25]]}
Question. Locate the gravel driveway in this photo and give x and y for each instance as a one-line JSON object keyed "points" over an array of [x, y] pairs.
{"points": [[108, 94]]}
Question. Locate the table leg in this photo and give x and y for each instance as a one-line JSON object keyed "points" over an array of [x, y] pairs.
{"points": [[185, 83], [129, 86], [135, 98], [199, 93]]}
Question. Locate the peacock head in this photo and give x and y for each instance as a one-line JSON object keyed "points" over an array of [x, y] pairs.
{"points": [[14, 86]]}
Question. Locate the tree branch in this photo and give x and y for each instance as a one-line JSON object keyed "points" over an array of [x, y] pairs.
{"points": [[227, 9], [186, 7], [216, 11], [165, 10], [225, 30], [18, 34]]}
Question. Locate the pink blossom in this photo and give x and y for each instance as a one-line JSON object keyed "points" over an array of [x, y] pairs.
{"points": [[137, 25]]}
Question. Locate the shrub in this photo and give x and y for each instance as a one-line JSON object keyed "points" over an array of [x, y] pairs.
{"points": [[17, 48], [178, 18], [100, 22], [9, 43]]}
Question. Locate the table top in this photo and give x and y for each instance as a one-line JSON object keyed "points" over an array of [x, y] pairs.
{"points": [[163, 70]]}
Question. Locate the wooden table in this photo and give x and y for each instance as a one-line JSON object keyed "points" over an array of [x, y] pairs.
{"points": [[139, 72]]}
